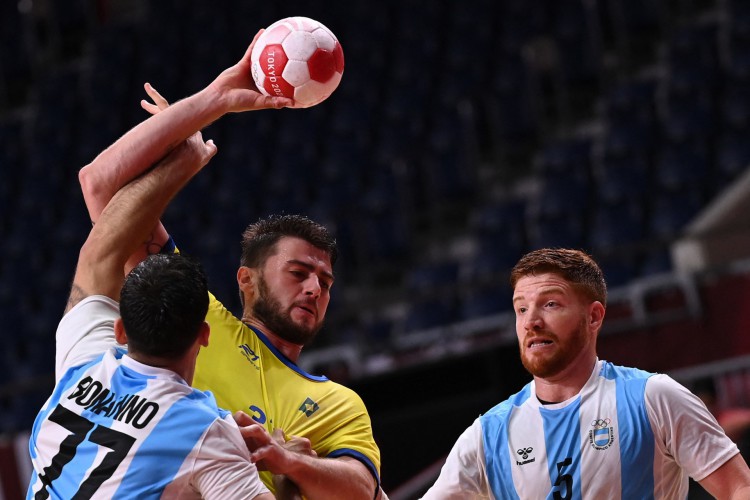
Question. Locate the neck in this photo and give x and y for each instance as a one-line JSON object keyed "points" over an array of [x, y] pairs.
{"points": [[288, 349], [181, 366], [567, 383]]}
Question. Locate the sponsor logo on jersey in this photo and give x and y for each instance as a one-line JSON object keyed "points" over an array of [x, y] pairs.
{"points": [[309, 407], [249, 354], [524, 453], [602, 435]]}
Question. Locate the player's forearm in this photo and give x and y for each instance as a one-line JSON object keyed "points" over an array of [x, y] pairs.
{"points": [[144, 145], [332, 479], [142, 202], [125, 221]]}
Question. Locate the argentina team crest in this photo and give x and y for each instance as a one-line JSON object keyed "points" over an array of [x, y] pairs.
{"points": [[602, 435]]}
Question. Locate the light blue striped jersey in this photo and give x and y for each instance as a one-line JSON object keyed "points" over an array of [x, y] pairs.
{"points": [[626, 434], [116, 428]]}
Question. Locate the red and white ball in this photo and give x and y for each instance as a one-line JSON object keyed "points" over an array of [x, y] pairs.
{"points": [[298, 58]]}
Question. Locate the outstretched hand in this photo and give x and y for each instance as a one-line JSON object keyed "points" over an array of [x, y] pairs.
{"points": [[236, 86]]}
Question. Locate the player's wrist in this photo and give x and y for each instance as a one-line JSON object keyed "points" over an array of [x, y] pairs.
{"points": [[211, 103]]}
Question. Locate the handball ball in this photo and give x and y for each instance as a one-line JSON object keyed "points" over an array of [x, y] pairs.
{"points": [[298, 58]]}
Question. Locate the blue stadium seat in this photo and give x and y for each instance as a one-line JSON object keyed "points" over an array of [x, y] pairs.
{"points": [[622, 180], [638, 26], [682, 166], [432, 278], [432, 313], [733, 156], [566, 230], [671, 211], [486, 300], [615, 227], [619, 268]]}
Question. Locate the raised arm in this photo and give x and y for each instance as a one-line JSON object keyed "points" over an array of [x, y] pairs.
{"points": [[128, 217], [231, 92]]}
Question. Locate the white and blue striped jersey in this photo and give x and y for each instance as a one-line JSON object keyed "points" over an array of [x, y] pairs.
{"points": [[626, 434], [116, 428]]}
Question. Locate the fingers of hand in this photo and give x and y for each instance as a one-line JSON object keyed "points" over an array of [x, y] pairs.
{"points": [[280, 102], [300, 445], [210, 149], [255, 38], [249, 50], [151, 108], [257, 457], [255, 432], [156, 97], [241, 418]]}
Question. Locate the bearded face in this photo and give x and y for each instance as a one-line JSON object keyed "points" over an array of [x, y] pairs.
{"points": [[556, 325], [545, 353], [278, 317]]}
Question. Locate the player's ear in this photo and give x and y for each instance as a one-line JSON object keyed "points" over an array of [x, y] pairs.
{"points": [[596, 315], [120, 336], [204, 333], [247, 279]]}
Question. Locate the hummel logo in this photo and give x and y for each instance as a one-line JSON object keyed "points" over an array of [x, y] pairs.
{"points": [[524, 453]]}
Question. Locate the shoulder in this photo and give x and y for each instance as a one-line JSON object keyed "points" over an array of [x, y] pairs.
{"points": [[204, 402], [470, 442], [85, 332], [669, 401], [219, 314], [346, 403], [92, 307], [611, 371], [502, 410], [661, 385]]}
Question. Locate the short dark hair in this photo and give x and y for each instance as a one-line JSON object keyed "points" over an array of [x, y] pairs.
{"points": [[575, 266], [163, 303], [259, 239]]}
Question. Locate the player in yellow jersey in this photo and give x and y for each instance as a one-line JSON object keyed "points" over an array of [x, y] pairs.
{"points": [[284, 280]]}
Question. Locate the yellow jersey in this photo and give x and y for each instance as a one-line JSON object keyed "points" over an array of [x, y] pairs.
{"points": [[246, 372]]}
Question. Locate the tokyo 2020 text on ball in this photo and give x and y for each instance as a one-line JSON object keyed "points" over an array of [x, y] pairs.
{"points": [[298, 58]]}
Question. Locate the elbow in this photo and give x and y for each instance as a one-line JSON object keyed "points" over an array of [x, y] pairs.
{"points": [[86, 180], [96, 192]]}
